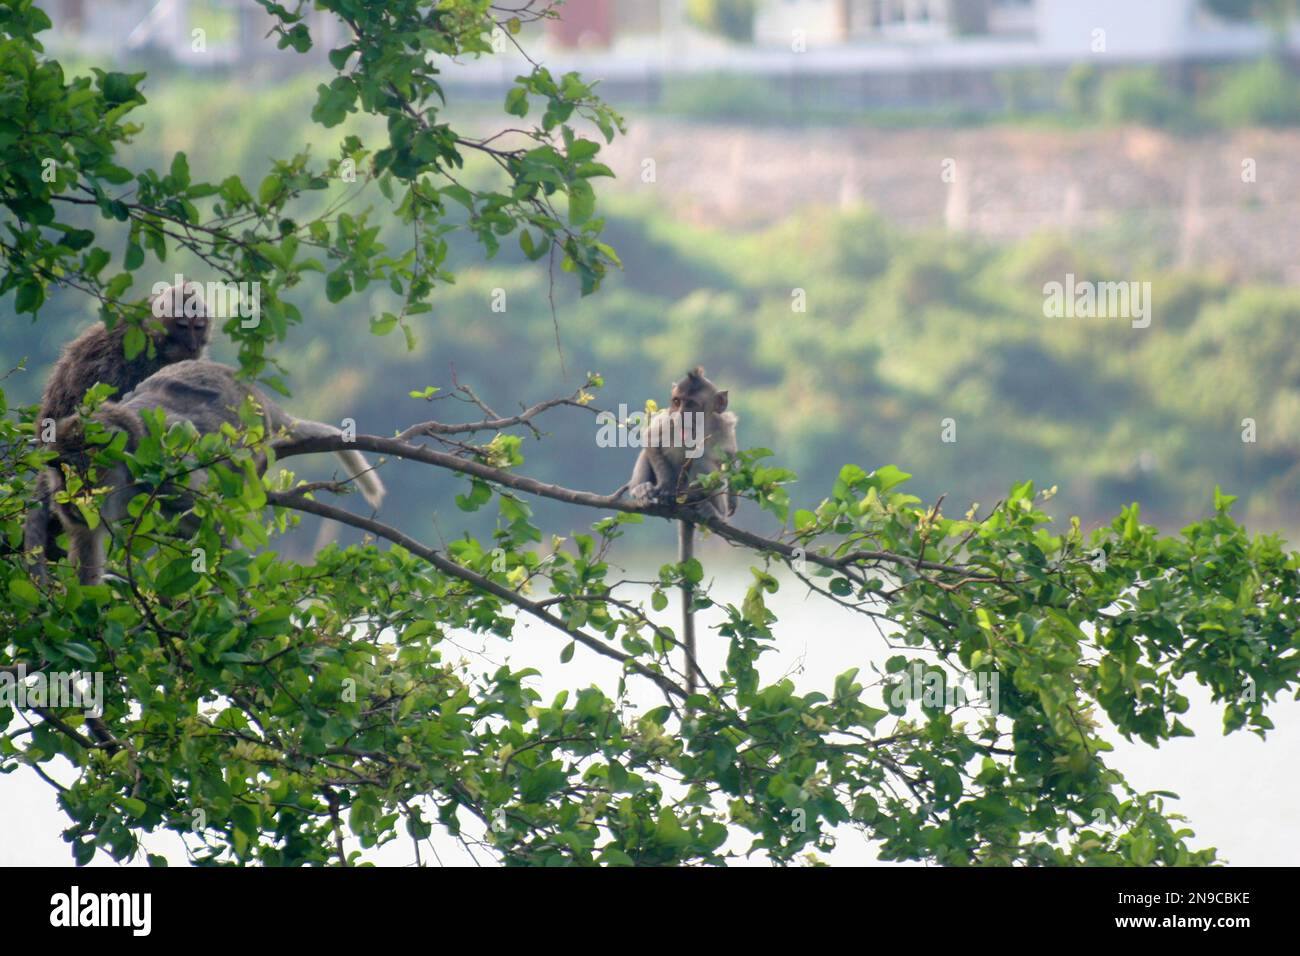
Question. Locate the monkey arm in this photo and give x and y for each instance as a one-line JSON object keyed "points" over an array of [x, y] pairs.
{"points": [[642, 483]]}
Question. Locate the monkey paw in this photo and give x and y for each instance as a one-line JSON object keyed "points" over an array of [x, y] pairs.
{"points": [[642, 492]]}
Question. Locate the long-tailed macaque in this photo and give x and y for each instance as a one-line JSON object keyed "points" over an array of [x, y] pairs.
{"points": [[689, 439], [203, 393], [178, 330]]}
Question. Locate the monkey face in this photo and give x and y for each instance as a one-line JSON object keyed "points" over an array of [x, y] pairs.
{"points": [[186, 324], [696, 394], [185, 337]]}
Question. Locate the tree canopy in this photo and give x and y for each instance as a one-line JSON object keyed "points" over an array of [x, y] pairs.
{"points": [[283, 713]]}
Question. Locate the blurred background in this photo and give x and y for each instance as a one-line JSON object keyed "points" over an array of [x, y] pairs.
{"points": [[910, 172]]}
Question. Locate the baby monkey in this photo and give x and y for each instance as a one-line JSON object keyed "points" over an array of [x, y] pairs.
{"points": [[203, 393], [693, 437], [689, 439]]}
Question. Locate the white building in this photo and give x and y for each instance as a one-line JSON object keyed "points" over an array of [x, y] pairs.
{"points": [[1049, 30], [195, 32]]}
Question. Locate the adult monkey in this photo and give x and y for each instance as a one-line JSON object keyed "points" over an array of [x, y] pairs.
{"points": [[693, 437], [208, 396], [179, 328]]}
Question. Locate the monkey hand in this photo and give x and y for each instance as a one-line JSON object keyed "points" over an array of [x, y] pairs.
{"points": [[648, 492], [642, 492]]}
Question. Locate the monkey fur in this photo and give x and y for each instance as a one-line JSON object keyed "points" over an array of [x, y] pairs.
{"points": [[206, 394], [689, 439], [179, 329]]}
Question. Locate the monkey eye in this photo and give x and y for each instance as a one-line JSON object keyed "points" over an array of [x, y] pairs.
{"points": [[677, 403]]}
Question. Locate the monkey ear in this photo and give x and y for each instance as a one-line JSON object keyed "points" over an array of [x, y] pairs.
{"points": [[720, 401]]}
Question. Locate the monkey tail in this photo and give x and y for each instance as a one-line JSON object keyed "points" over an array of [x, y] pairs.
{"points": [[358, 469], [686, 551], [366, 477]]}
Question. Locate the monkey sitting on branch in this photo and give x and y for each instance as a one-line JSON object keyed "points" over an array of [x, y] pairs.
{"points": [[178, 330], [207, 395], [691, 438]]}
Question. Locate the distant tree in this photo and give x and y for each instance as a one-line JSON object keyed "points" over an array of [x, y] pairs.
{"points": [[1276, 13], [1079, 89], [1141, 96], [733, 19], [1271, 10]]}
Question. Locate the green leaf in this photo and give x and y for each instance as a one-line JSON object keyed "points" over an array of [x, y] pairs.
{"points": [[338, 286], [133, 342], [271, 187], [177, 577], [517, 101], [669, 831], [132, 805], [30, 296], [78, 652], [889, 476], [480, 494], [582, 202], [24, 592], [339, 57]]}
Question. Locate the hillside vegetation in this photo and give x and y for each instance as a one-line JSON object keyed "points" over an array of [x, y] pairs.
{"points": [[902, 330]]}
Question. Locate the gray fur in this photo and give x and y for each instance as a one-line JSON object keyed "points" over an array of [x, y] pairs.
{"points": [[98, 355], [206, 394], [664, 470]]}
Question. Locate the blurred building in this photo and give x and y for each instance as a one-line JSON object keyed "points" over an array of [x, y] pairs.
{"points": [[1155, 29], [842, 54], [949, 32], [198, 33]]}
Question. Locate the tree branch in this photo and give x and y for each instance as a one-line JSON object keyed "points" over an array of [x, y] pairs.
{"points": [[297, 502]]}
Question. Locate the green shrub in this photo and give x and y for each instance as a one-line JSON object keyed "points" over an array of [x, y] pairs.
{"points": [[1263, 93], [733, 19], [1141, 96], [1080, 88], [724, 95]]}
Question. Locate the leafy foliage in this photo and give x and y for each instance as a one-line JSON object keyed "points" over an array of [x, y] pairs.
{"points": [[1266, 93], [733, 19], [58, 152], [285, 703]]}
